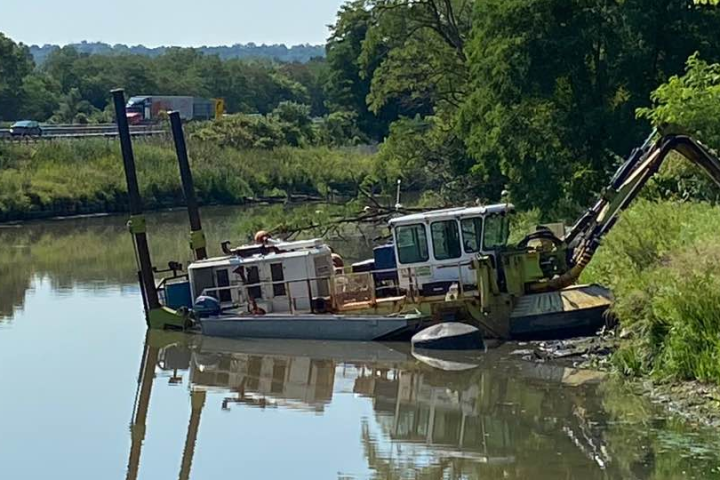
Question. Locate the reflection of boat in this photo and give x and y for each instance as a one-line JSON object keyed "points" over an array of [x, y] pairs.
{"points": [[450, 361], [486, 422], [341, 352], [289, 373]]}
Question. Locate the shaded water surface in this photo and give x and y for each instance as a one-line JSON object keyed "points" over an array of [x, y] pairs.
{"points": [[87, 393]]}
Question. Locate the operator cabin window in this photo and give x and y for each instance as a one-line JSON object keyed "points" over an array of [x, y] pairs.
{"points": [[497, 229], [446, 240], [412, 244], [472, 234]]}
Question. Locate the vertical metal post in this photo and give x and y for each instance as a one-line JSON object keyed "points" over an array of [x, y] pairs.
{"points": [[197, 403], [290, 298], [137, 220], [197, 238], [142, 405]]}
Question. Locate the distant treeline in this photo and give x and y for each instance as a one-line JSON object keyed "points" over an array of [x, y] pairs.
{"points": [[73, 86], [277, 52]]}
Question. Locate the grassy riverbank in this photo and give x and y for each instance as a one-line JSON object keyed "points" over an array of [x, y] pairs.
{"points": [[662, 261], [86, 176]]}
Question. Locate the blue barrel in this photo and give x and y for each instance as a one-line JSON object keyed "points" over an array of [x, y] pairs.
{"points": [[177, 294]]}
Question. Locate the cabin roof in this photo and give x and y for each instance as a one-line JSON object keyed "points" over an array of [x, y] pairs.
{"points": [[258, 258], [457, 212]]}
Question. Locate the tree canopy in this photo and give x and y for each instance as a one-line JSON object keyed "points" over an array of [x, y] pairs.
{"points": [[535, 96]]}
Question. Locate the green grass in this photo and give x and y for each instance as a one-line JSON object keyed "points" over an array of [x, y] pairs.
{"points": [[86, 176], [662, 261]]}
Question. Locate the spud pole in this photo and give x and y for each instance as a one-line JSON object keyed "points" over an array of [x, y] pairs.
{"points": [[197, 238], [136, 225]]}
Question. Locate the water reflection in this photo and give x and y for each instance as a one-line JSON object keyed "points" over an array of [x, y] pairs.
{"points": [[502, 419]]}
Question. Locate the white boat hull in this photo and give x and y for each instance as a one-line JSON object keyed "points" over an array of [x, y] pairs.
{"points": [[312, 327]]}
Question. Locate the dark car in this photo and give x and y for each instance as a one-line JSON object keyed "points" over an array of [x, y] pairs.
{"points": [[25, 128]]}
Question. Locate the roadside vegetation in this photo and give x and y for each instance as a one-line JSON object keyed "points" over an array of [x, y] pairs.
{"points": [[464, 98], [81, 177]]}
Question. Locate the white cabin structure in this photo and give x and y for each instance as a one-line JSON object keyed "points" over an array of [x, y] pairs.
{"points": [[435, 249], [279, 277]]}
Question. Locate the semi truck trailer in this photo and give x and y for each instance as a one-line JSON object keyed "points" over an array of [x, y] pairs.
{"points": [[148, 108]]}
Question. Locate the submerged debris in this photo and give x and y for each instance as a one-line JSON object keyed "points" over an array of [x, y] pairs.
{"points": [[583, 352]]}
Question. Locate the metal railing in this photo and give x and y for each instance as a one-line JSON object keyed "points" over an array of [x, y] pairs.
{"points": [[247, 299], [415, 287], [51, 132]]}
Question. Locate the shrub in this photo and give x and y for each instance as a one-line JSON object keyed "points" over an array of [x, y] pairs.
{"points": [[661, 262]]}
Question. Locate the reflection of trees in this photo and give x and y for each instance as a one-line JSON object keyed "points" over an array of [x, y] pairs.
{"points": [[478, 425], [14, 279], [87, 252], [674, 449]]}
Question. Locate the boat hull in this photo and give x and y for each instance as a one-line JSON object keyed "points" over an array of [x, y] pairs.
{"points": [[574, 311], [313, 327]]}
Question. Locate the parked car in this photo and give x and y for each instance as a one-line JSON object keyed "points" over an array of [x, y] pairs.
{"points": [[26, 128]]}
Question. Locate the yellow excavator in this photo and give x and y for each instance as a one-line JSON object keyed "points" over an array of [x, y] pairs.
{"points": [[529, 290]]}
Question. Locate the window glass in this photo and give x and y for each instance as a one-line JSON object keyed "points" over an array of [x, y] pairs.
{"points": [[223, 280], [277, 274], [496, 232], [412, 243], [446, 240], [253, 278], [472, 234]]}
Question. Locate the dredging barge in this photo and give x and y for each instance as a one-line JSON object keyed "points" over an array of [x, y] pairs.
{"points": [[443, 265]]}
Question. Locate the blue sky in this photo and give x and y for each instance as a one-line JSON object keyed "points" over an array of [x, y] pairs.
{"points": [[168, 22]]}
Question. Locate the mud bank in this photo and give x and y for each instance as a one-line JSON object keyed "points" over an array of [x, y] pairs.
{"points": [[696, 402]]}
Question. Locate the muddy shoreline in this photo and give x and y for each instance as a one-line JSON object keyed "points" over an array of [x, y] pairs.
{"points": [[695, 402]]}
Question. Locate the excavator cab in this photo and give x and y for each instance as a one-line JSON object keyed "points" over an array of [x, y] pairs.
{"points": [[435, 250]]}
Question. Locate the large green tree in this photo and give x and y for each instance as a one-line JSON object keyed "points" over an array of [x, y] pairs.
{"points": [[419, 48], [347, 86], [15, 64], [555, 84], [419, 51]]}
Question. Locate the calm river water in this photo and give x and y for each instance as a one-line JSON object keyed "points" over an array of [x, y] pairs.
{"points": [[77, 403]]}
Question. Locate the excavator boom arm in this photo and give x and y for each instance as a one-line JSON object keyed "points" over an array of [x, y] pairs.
{"points": [[585, 236], [634, 174]]}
